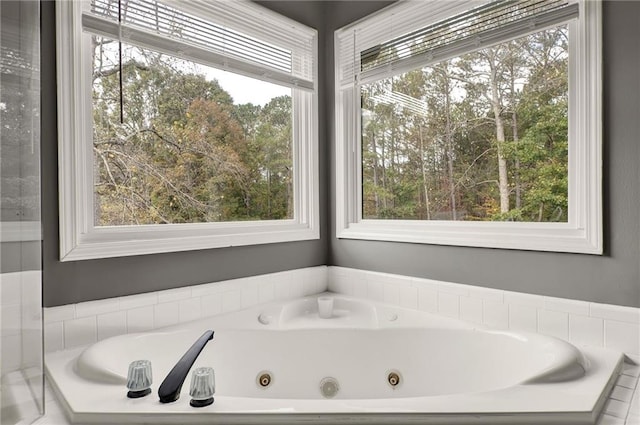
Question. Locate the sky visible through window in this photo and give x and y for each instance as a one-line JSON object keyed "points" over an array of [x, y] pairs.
{"points": [[244, 89]]}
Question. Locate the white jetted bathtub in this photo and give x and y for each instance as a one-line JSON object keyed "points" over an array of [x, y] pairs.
{"points": [[366, 363]]}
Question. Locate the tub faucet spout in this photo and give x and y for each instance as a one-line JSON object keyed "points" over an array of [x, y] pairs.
{"points": [[169, 390]]}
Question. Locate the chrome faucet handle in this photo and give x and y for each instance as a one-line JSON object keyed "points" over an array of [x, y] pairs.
{"points": [[139, 379], [203, 387]]}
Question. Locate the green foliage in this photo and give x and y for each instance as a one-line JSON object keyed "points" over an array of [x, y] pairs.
{"points": [[433, 138], [184, 152]]}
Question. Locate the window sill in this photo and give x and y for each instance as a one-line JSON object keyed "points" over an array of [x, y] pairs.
{"points": [[108, 242], [554, 237]]}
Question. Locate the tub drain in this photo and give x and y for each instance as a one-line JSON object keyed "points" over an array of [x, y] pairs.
{"points": [[329, 387]]}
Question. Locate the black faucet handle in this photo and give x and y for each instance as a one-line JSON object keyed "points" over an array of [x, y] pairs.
{"points": [[169, 390]]}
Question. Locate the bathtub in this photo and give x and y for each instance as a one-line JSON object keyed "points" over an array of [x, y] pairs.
{"points": [[385, 365]]}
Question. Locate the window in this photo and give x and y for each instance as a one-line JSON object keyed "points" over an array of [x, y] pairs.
{"points": [[184, 125], [473, 124]]}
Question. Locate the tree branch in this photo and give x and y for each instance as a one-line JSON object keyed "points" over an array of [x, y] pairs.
{"points": [[132, 63]]}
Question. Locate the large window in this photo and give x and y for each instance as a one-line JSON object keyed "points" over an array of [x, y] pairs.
{"points": [[471, 124], [184, 125]]}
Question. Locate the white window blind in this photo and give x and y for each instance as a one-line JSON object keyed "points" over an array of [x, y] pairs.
{"points": [[237, 36], [379, 51], [385, 25]]}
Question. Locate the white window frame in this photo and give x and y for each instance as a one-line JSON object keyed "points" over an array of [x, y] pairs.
{"points": [[583, 231], [80, 239]]}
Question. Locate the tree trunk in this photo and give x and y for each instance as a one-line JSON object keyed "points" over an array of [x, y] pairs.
{"points": [[425, 187], [392, 158], [268, 193], [449, 142], [514, 126], [375, 173], [540, 211], [384, 173], [503, 179]]}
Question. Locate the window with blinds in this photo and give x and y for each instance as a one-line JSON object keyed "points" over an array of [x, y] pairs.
{"points": [[184, 125], [451, 114]]}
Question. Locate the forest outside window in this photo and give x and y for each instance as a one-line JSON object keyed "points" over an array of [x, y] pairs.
{"points": [[184, 125], [471, 123]]}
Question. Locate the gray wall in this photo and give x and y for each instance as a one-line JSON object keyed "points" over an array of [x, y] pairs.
{"points": [[611, 278], [71, 282]]}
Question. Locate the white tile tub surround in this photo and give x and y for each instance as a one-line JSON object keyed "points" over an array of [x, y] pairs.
{"points": [[623, 405], [580, 322], [621, 408], [80, 324], [586, 323], [20, 319]]}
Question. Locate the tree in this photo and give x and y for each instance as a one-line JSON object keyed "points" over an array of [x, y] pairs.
{"points": [[184, 153], [482, 136]]}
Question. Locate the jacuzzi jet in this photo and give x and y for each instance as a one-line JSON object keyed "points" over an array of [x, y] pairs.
{"points": [[329, 387], [264, 379], [393, 379]]}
